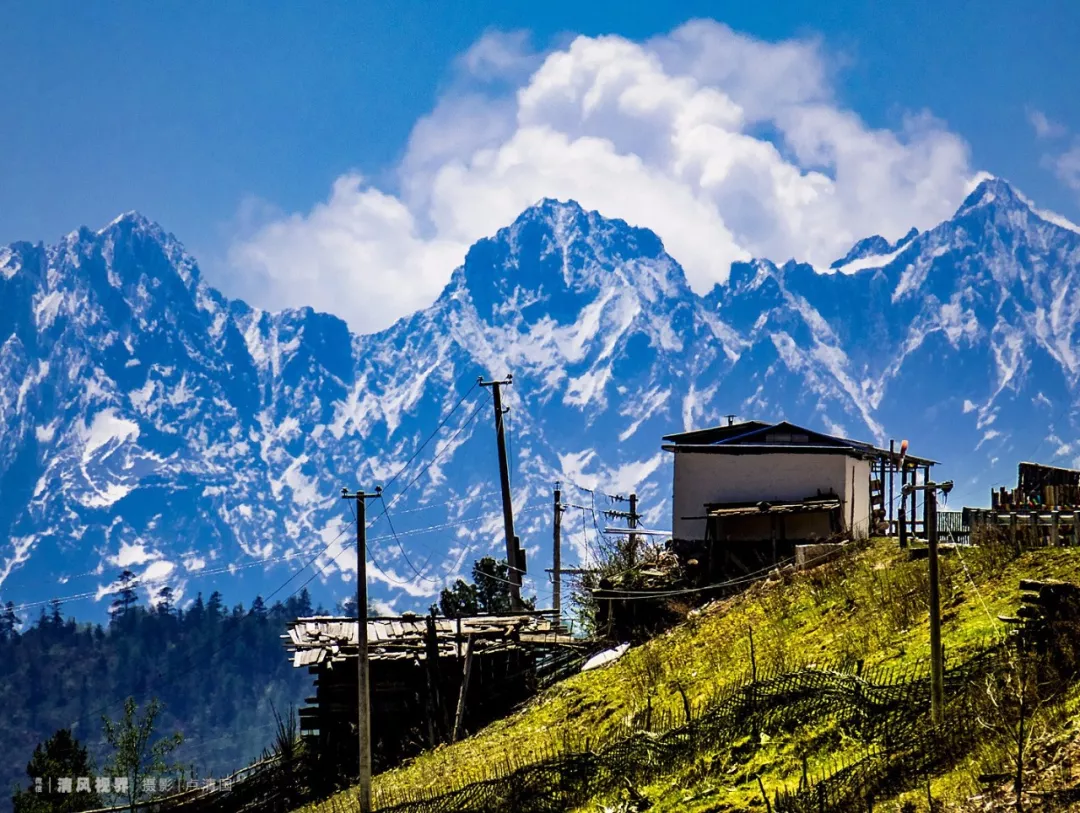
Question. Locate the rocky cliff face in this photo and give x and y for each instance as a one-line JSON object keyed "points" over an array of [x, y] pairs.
{"points": [[150, 423]]}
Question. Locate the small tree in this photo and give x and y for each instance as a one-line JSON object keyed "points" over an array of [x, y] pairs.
{"points": [[164, 605], [125, 596], [56, 618], [9, 622], [1012, 713], [59, 757], [258, 608], [488, 593], [134, 756], [459, 600]]}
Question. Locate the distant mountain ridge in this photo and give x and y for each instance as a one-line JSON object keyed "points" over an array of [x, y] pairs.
{"points": [[150, 422]]}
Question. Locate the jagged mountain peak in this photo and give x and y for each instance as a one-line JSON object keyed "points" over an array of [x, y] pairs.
{"points": [[131, 219], [569, 225], [558, 253], [196, 424], [875, 245], [996, 193]]}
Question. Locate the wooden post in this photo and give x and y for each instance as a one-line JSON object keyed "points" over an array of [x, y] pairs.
{"points": [[363, 705], [937, 664], [772, 536], [926, 503], [1055, 521], [892, 485], [460, 716], [556, 556], [901, 510], [436, 725], [913, 513], [1012, 528], [851, 499], [513, 557], [1075, 528]]}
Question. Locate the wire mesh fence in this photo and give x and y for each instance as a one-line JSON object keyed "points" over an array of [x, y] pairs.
{"points": [[887, 708]]}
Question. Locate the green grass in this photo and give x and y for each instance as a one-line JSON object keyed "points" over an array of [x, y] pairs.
{"points": [[870, 605]]}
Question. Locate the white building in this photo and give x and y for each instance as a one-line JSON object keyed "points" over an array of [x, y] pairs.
{"points": [[760, 488]]}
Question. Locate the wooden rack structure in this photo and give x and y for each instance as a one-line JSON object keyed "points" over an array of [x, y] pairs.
{"points": [[424, 670]]}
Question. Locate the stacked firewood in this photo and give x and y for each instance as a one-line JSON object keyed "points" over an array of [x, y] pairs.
{"points": [[1046, 606]]}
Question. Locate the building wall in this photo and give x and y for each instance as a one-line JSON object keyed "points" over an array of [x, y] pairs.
{"points": [[776, 477]]}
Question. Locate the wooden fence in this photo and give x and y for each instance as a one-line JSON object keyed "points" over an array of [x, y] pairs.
{"points": [[1054, 527], [888, 708], [272, 784]]}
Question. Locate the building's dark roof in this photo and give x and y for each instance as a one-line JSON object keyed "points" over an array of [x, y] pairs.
{"points": [[751, 437], [714, 434]]}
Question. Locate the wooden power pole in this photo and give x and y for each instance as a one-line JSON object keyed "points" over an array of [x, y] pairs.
{"points": [[515, 561], [937, 655], [632, 521], [937, 658], [363, 723], [556, 555]]}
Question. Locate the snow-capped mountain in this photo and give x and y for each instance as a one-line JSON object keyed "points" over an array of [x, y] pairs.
{"points": [[150, 423]]}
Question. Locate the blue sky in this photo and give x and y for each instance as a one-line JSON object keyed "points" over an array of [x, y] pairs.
{"points": [[232, 123]]}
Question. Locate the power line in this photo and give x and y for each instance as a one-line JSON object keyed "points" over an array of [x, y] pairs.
{"points": [[434, 460], [201, 661], [436, 431], [408, 561], [746, 578]]}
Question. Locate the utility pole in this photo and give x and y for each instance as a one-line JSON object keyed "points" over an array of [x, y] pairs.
{"points": [[515, 560], [632, 516], [556, 555], [363, 723], [901, 513], [937, 657]]}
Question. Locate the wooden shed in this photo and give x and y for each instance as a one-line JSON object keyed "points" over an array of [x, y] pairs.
{"points": [[431, 677]]}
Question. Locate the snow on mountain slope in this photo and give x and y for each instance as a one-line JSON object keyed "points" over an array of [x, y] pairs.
{"points": [[151, 423]]}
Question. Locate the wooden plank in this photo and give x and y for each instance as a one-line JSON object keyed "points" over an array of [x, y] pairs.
{"points": [[459, 716]]}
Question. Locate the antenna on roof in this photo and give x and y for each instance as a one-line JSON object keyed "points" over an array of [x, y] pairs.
{"points": [[730, 420]]}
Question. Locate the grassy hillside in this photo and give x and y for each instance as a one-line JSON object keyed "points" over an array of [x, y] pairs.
{"points": [[870, 606]]}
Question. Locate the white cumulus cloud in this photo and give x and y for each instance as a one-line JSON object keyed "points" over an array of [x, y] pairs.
{"points": [[727, 146]]}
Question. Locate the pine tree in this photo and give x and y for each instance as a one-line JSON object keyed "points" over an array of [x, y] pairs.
{"points": [[258, 608], [59, 757], [165, 601], [214, 607], [9, 622], [126, 597], [56, 618], [197, 613], [304, 604]]}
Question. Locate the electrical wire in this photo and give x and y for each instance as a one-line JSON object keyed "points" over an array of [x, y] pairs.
{"points": [[752, 576], [387, 506], [401, 548], [200, 662], [427, 440]]}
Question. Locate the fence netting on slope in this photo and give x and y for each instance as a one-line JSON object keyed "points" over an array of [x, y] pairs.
{"points": [[887, 709]]}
